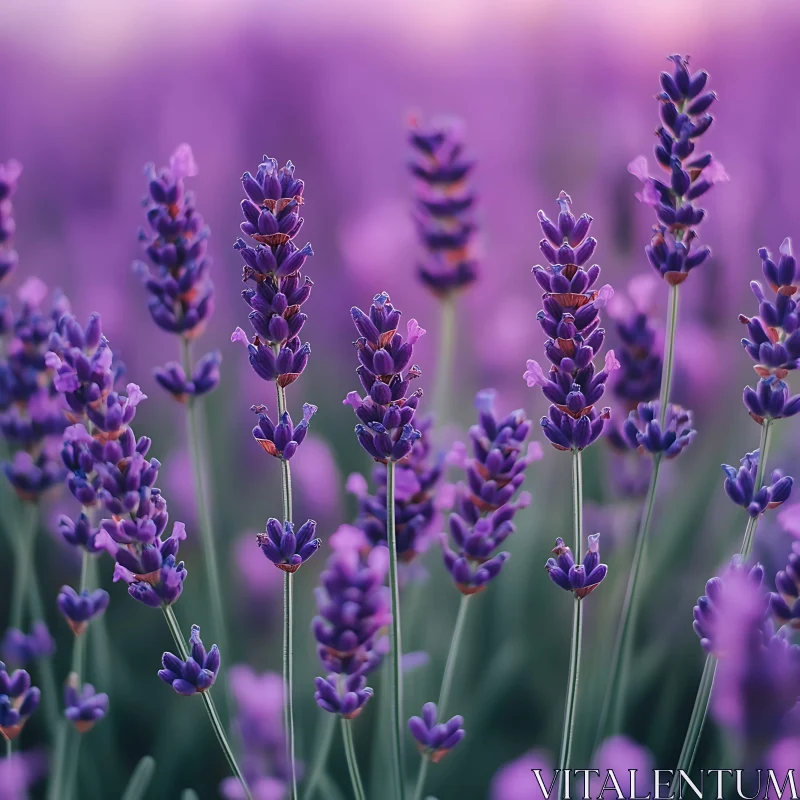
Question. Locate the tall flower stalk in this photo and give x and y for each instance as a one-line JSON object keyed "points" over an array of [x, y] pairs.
{"points": [[673, 252], [181, 303], [276, 293], [444, 217]]}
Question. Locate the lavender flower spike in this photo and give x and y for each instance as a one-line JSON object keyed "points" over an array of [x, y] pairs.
{"points": [[740, 486], [80, 609], [346, 696], [435, 740], [286, 549], [283, 439], [581, 579], [785, 604], [197, 673], [18, 700], [9, 175], [83, 706]]}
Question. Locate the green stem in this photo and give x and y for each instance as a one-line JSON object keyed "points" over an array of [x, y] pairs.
{"points": [[352, 763], [24, 572], [195, 436], [8, 748], [79, 645], [445, 361], [565, 757], [421, 775], [763, 453], [397, 652], [321, 759], [669, 353], [208, 701]]}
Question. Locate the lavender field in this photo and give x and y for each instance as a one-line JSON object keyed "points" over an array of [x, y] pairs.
{"points": [[365, 378]]}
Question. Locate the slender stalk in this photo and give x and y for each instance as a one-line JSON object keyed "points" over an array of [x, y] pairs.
{"points": [[763, 452], [669, 353], [8, 748], [397, 652], [195, 436], [321, 759], [24, 572], [445, 360], [419, 791], [565, 757], [208, 701], [352, 763]]}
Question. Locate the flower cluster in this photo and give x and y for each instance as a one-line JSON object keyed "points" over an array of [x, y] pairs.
{"points": [[177, 277], [740, 486], [196, 673], [9, 176], [31, 416], [673, 250], [83, 707], [774, 338], [272, 267], [644, 430], [444, 206], [417, 481], [283, 439], [18, 700], [785, 604], [435, 740], [485, 506], [79, 609], [22, 648], [353, 607], [286, 549], [386, 430], [571, 318], [580, 579]]}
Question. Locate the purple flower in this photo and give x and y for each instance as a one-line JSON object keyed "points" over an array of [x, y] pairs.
{"points": [[21, 648], [513, 781], [197, 673], [283, 439], [83, 706], [387, 412], [435, 740], [80, 609], [642, 429], [205, 377], [19, 772], [286, 549], [770, 400], [284, 366], [740, 486], [785, 604], [346, 696], [18, 700], [581, 579], [80, 533], [9, 175], [443, 211]]}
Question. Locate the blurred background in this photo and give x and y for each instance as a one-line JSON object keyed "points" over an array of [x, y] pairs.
{"points": [[553, 96]]}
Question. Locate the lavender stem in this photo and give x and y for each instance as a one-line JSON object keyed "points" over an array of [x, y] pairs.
{"points": [[669, 353], [445, 361], [24, 572], [396, 675], [352, 763], [288, 613], [211, 709], [203, 512], [565, 756], [323, 750], [697, 721]]}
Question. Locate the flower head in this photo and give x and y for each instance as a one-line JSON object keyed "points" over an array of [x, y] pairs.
{"points": [[346, 696], [80, 609], [642, 429], [286, 549], [740, 486], [18, 700], [283, 439], [435, 740], [83, 706], [197, 672], [580, 579], [785, 603], [204, 378], [21, 648]]}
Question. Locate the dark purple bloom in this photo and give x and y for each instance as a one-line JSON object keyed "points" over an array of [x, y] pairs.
{"points": [[21, 648], [345, 695], [435, 740], [80, 533], [781, 276], [642, 429], [197, 673], [286, 549], [284, 366], [9, 175], [18, 700], [566, 432], [114, 412], [283, 439], [444, 206], [31, 477], [83, 706], [770, 400], [580, 579], [387, 412], [785, 604], [80, 609], [740, 486], [707, 610], [673, 251], [204, 379]]}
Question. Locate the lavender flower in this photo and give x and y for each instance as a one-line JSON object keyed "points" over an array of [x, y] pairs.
{"points": [[570, 316], [197, 673], [283, 439], [204, 379], [346, 696], [286, 549], [740, 486], [22, 648], [444, 206], [485, 506], [642, 429], [9, 175], [81, 533], [18, 700], [435, 740], [770, 400], [80, 609], [386, 431], [19, 772], [582, 579], [83, 706], [785, 604], [673, 251]]}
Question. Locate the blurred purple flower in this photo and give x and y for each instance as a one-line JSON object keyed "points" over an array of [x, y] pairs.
{"points": [[435, 740], [516, 781], [84, 707], [19, 772], [21, 648]]}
